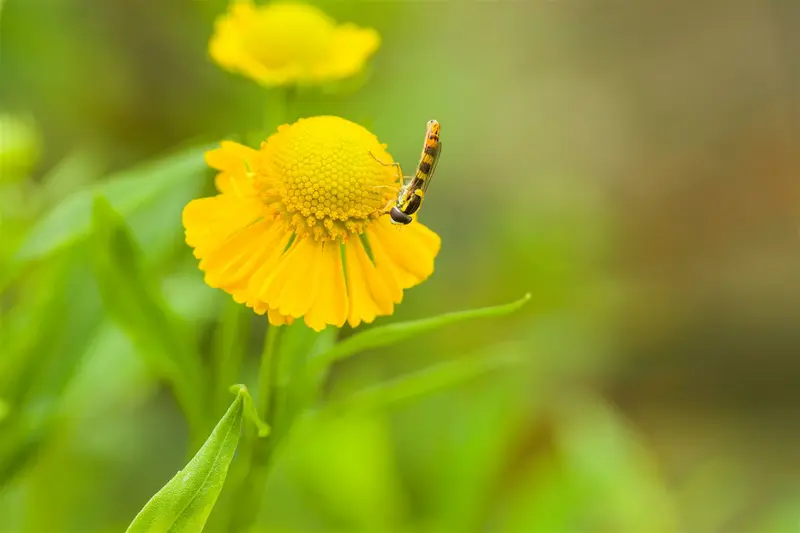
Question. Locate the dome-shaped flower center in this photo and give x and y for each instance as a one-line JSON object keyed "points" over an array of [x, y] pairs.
{"points": [[325, 176], [285, 34]]}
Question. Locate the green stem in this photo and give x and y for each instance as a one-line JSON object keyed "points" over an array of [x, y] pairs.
{"points": [[257, 453], [229, 349], [290, 104], [281, 109], [267, 373]]}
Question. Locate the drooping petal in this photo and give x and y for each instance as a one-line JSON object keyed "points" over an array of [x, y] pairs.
{"points": [[274, 317], [368, 294], [234, 261], [299, 288], [411, 249], [250, 290], [289, 288], [277, 319], [330, 302]]}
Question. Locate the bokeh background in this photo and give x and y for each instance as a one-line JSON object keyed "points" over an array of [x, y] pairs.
{"points": [[636, 166]]}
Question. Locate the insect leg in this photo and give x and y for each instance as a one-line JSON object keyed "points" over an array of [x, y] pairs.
{"points": [[396, 165]]}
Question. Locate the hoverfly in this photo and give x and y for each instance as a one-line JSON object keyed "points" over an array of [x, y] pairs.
{"points": [[409, 200]]}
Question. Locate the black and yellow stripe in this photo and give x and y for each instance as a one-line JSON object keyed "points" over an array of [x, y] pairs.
{"points": [[410, 199]]}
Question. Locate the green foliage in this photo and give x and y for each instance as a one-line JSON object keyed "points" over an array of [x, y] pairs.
{"points": [[127, 192], [623, 399], [43, 349], [394, 333], [427, 381], [20, 146], [133, 299], [183, 505]]}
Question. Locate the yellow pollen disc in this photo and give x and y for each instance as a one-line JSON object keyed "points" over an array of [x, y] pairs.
{"points": [[320, 178]]}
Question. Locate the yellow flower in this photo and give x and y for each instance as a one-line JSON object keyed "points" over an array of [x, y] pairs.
{"points": [[297, 229], [285, 43]]}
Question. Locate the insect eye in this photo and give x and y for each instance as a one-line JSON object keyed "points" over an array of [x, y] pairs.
{"points": [[398, 217]]}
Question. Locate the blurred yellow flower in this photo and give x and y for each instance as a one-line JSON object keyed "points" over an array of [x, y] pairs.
{"points": [[297, 231], [286, 43]]}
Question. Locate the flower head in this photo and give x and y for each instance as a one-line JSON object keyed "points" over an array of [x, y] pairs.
{"points": [[285, 43], [298, 227]]}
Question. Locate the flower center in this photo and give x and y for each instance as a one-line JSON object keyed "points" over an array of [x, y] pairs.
{"points": [[325, 176]]}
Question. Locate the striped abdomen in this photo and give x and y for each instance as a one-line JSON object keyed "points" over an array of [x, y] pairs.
{"points": [[410, 198]]}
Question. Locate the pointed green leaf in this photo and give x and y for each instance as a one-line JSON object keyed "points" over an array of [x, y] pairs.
{"points": [[426, 381], [250, 411], [394, 333], [183, 505], [127, 191], [4, 409]]}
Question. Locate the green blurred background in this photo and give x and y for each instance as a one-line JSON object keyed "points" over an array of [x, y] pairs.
{"points": [[636, 166]]}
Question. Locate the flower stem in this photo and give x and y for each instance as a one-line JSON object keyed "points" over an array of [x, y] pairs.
{"points": [[282, 109], [229, 348], [267, 373], [257, 453]]}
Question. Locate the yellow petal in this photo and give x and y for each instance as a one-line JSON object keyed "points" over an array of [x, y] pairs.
{"points": [[330, 303], [277, 319], [286, 287], [351, 47], [211, 221], [232, 157], [250, 290], [266, 283], [394, 277], [231, 265], [410, 248], [368, 294], [236, 164], [264, 251], [299, 289]]}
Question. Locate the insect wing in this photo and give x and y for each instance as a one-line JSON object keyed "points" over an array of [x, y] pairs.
{"points": [[427, 182]]}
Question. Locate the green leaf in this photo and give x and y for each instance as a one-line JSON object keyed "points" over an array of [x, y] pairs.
{"points": [[134, 300], [394, 333], [183, 505], [426, 381], [250, 411], [43, 349], [4, 409], [286, 389], [127, 191]]}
